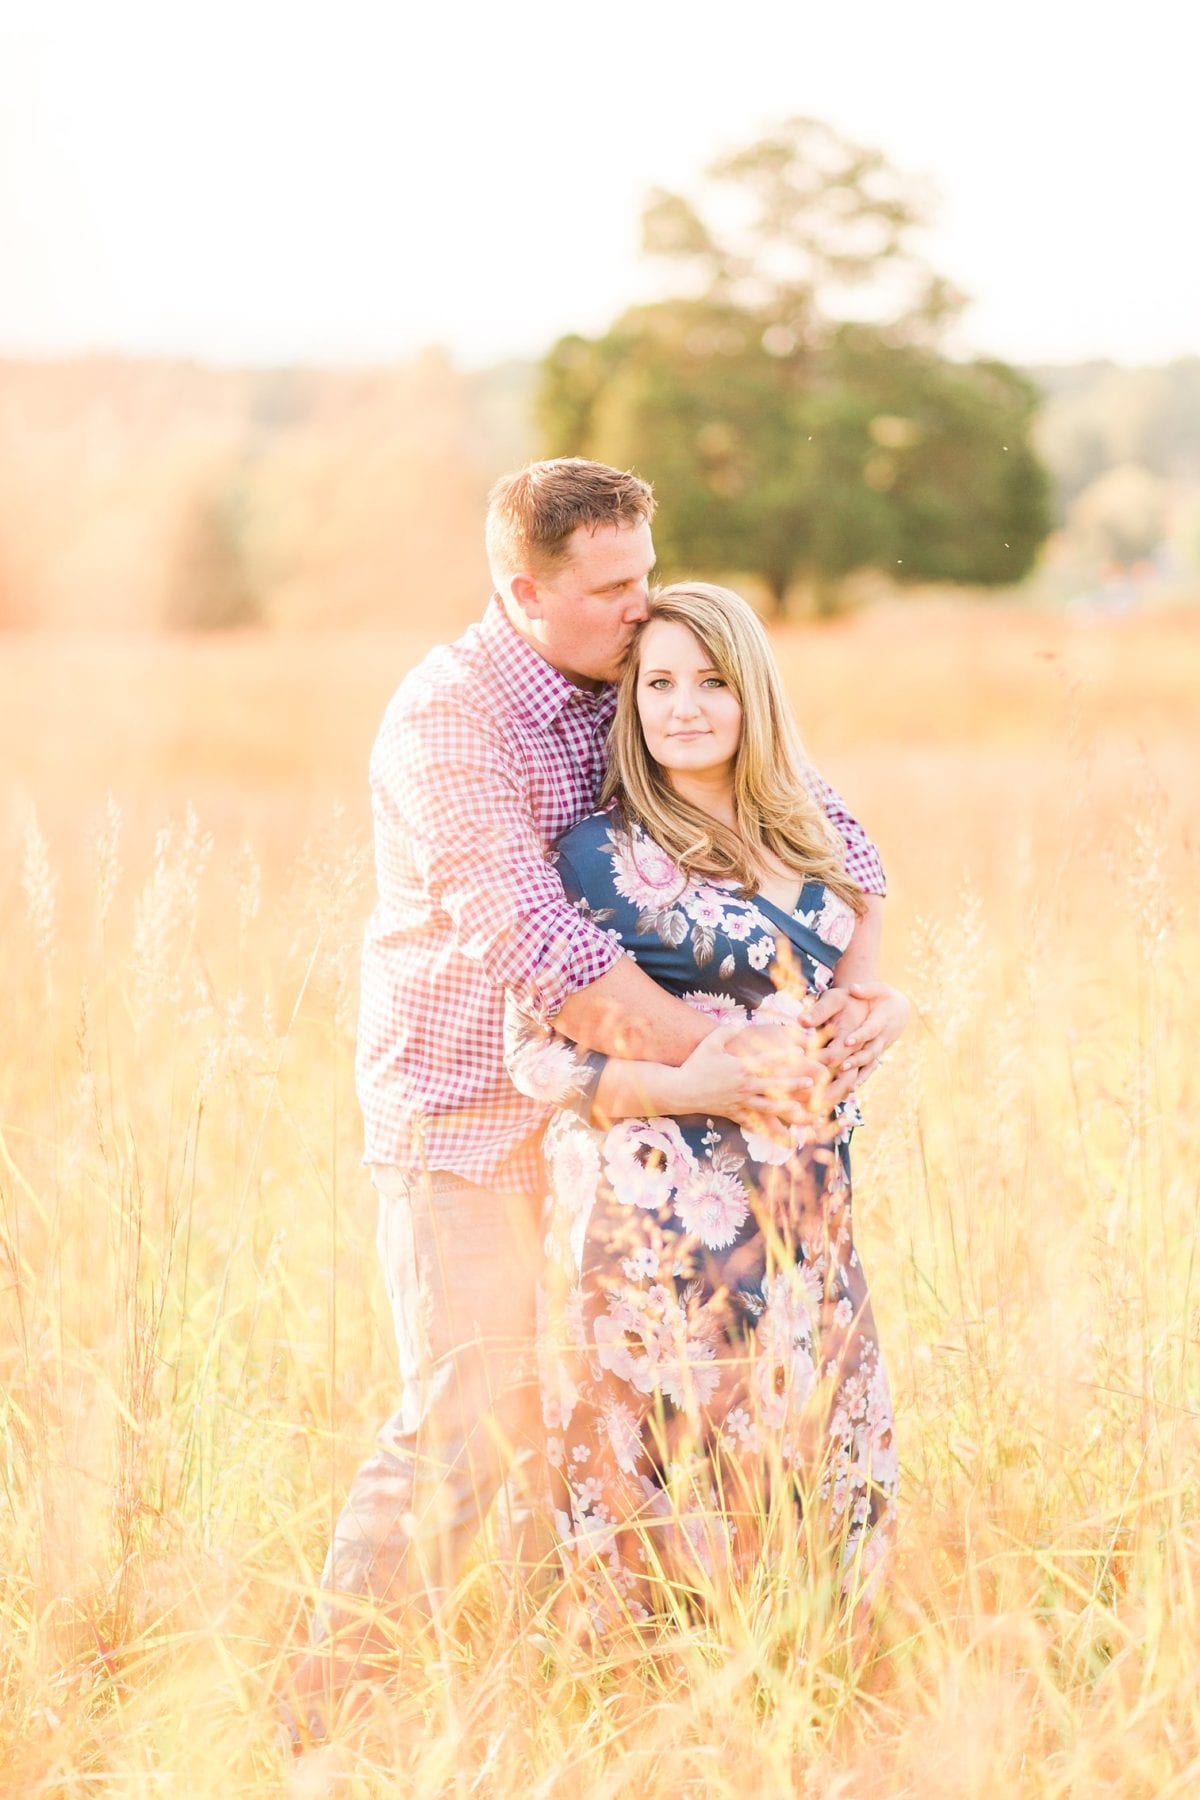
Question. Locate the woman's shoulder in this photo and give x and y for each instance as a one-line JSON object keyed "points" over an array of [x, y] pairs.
{"points": [[618, 857]]}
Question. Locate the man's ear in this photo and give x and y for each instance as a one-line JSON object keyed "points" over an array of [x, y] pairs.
{"points": [[524, 590]]}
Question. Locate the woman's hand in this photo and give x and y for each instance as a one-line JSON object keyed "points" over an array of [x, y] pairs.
{"points": [[755, 1075], [790, 1086], [863, 1021]]}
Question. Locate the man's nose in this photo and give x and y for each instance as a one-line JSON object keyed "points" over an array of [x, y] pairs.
{"points": [[639, 607]]}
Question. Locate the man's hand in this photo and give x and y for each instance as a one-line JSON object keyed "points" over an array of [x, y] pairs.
{"points": [[862, 1021]]}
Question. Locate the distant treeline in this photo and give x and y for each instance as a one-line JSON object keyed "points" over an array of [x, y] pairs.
{"points": [[145, 493], [152, 493]]}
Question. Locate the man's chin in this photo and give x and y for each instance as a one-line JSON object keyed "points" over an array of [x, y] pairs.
{"points": [[616, 668]]}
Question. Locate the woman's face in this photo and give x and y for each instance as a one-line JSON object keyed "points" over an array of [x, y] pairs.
{"points": [[691, 718]]}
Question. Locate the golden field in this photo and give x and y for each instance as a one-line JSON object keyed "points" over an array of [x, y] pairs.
{"points": [[195, 1348]]}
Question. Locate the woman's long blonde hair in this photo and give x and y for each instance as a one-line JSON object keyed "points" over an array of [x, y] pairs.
{"points": [[775, 809]]}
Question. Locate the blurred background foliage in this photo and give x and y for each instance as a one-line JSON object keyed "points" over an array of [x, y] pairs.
{"points": [[791, 437], [791, 396]]}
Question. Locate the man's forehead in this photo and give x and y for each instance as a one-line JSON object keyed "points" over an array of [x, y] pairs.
{"points": [[593, 545]]}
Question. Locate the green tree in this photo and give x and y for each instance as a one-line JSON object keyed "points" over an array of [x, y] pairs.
{"points": [[784, 441]]}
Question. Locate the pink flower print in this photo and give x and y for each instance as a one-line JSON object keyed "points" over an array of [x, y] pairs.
{"points": [[642, 1265], [760, 952], [612, 1333], [705, 908], [624, 1435], [644, 874], [808, 1279], [646, 1160], [740, 1426], [644, 1339], [784, 1375], [835, 922], [761, 1147], [573, 1320], [690, 1377], [589, 1493], [558, 1407], [574, 1163], [737, 927], [779, 1008], [714, 1206], [632, 1339], [721, 1007], [546, 1071]]}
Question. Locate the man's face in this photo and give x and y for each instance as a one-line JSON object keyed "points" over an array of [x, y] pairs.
{"points": [[583, 616]]}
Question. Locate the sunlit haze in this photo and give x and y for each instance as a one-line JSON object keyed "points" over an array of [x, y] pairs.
{"points": [[348, 183]]}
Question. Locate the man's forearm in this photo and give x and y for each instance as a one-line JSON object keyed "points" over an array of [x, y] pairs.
{"points": [[860, 959], [627, 1014]]}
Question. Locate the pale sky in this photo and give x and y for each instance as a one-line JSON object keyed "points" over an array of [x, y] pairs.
{"points": [[296, 182]]}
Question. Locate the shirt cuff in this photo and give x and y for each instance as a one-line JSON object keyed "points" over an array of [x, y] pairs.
{"points": [[575, 961]]}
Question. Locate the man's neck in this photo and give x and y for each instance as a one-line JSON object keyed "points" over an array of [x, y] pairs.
{"points": [[524, 630]]}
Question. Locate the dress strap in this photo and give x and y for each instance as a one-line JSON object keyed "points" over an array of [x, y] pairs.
{"points": [[802, 936]]}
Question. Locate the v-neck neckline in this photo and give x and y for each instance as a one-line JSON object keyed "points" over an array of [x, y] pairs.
{"points": [[803, 936], [791, 910]]}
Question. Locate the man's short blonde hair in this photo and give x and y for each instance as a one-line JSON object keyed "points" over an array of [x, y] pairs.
{"points": [[533, 514]]}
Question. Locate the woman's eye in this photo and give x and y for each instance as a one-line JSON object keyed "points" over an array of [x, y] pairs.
{"points": [[713, 681], [658, 683]]}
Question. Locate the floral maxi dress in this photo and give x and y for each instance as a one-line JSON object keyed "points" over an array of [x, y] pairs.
{"points": [[708, 1341]]}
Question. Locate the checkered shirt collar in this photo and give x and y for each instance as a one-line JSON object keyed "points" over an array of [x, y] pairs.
{"points": [[533, 686]]}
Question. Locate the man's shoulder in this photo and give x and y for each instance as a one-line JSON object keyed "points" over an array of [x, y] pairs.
{"points": [[452, 681], [449, 673]]}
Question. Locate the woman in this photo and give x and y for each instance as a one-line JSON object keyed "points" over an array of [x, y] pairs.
{"points": [[708, 1346]]}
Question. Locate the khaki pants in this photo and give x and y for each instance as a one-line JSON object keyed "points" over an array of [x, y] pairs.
{"points": [[461, 1266]]}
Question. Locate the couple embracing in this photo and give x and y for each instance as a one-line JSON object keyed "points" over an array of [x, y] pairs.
{"points": [[618, 991]]}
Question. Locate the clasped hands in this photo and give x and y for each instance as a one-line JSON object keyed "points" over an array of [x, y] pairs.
{"points": [[776, 1076]]}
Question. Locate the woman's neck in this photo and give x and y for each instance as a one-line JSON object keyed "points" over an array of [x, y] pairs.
{"points": [[708, 794], [778, 881]]}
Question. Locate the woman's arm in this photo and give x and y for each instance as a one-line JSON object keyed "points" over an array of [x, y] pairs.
{"points": [[753, 1074]]}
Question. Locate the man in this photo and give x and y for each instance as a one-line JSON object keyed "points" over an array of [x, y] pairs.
{"points": [[489, 751]]}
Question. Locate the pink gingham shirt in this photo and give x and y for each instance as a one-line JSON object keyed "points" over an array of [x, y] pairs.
{"points": [[485, 757]]}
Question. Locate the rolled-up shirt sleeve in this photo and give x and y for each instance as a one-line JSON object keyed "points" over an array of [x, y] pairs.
{"points": [[454, 832], [863, 862]]}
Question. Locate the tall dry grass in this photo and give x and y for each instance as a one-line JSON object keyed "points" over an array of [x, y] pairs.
{"points": [[195, 1350]]}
